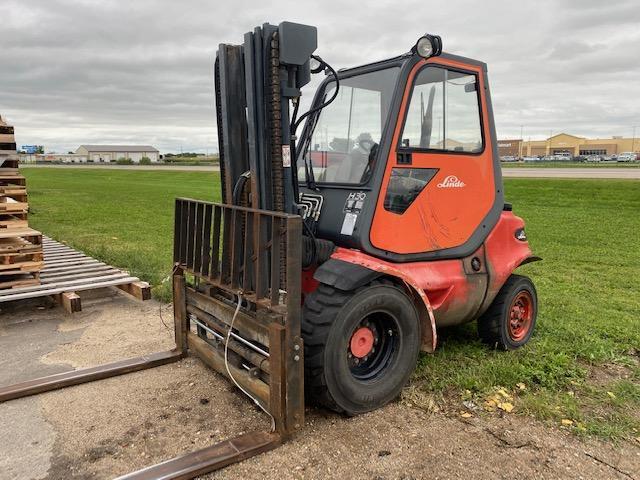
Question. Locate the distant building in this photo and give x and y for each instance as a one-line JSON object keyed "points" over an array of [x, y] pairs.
{"points": [[510, 148], [52, 157], [565, 143], [111, 153]]}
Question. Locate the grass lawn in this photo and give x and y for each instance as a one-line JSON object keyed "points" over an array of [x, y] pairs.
{"points": [[124, 218], [581, 369], [583, 362]]}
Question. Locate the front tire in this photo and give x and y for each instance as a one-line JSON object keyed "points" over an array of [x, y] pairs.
{"points": [[511, 318], [360, 346]]}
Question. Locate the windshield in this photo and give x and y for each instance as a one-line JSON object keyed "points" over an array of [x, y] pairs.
{"points": [[345, 138]]}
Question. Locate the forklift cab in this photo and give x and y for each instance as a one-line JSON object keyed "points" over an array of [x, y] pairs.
{"points": [[404, 158]]}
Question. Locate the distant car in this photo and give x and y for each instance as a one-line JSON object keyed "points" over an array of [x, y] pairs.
{"points": [[593, 159], [563, 156], [627, 157], [549, 158], [509, 158], [531, 159]]}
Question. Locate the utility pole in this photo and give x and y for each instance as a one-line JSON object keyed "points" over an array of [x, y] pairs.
{"points": [[521, 139], [633, 142]]}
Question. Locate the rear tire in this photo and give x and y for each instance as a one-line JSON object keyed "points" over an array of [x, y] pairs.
{"points": [[511, 318], [360, 346]]}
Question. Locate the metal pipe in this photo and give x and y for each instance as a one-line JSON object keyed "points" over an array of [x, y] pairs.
{"points": [[260, 362], [233, 335]]}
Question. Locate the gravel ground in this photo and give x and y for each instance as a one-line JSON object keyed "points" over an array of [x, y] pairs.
{"points": [[108, 428]]}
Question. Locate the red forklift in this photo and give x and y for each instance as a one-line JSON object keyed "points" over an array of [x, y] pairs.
{"points": [[347, 235]]}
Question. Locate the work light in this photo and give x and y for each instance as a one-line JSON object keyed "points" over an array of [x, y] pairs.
{"points": [[428, 46]]}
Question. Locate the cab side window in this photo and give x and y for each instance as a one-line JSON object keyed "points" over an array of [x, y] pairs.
{"points": [[443, 113]]}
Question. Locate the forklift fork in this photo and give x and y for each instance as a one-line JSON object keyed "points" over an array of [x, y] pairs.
{"points": [[236, 296]]}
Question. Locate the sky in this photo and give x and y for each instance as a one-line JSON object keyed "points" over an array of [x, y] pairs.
{"points": [[78, 72]]}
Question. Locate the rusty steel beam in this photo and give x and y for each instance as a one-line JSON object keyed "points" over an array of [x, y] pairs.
{"points": [[85, 375], [209, 459], [215, 360]]}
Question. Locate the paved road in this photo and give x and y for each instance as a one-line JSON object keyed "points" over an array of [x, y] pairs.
{"points": [[594, 172], [605, 172]]}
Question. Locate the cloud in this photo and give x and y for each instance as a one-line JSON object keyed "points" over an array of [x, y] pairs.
{"points": [[81, 71]]}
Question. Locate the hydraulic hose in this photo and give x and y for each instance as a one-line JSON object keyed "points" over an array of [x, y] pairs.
{"points": [[295, 123]]}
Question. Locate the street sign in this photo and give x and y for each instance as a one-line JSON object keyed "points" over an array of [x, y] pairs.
{"points": [[29, 148]]}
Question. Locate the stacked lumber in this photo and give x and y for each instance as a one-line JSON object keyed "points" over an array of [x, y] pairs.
{"points": [[21, 257]]}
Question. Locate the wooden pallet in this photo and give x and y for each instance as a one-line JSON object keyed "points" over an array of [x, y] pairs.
{"points": [[12, 180], [8, 154], [9, 163], [9, 261], [10, 205], [13, 190], [17, 194], [18, 268], [20, 240], [14, 221], [22, 280], [21, 257], [67, 271]]}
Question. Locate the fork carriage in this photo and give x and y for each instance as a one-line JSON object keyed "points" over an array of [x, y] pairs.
{"points": [[215, 271]]}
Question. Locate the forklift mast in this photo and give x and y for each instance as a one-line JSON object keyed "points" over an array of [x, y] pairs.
{"points": [[255, 83]]}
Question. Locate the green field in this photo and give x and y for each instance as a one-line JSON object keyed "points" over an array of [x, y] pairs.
{"points": [[582, 365], [122, 217]]}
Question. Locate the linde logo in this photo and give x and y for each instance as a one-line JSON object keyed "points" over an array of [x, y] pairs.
{"points": [[451, 182]]}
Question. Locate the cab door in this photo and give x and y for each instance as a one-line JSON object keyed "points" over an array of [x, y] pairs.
{"points": [[439, 187]]}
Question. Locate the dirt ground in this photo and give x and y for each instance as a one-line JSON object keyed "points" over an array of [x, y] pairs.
{"points": [[108, 428]]}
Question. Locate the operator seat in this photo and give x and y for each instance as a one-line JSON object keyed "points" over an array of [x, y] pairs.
{"points": [[353, 166]]}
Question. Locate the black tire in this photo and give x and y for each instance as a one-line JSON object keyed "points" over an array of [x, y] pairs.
{"points": [[331, 318], [497, 328]]}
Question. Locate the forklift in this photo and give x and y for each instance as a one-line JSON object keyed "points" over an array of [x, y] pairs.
{"points": [[347, 235]]}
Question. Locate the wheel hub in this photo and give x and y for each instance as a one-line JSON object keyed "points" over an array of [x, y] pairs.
{"points": [[362, 342], [520, 316]]}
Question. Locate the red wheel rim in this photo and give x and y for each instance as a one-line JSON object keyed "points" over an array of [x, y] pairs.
{"points": [[361, 342], [520, 316]]}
